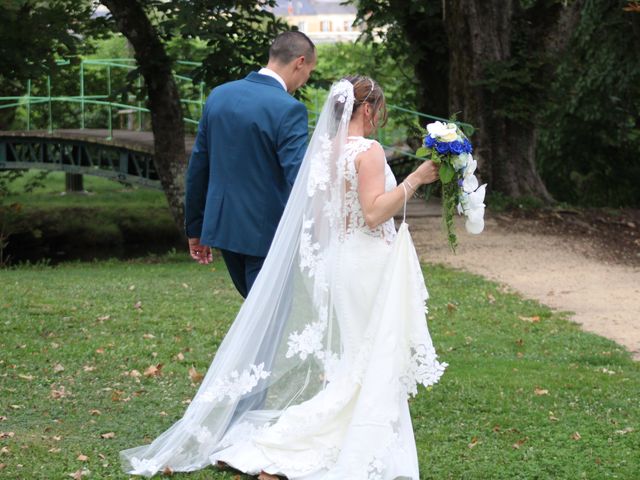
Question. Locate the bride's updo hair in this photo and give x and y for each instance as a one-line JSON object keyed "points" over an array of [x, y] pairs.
{"points": [[367, 90]]}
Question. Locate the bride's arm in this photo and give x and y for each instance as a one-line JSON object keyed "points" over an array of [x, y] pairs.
{"points": [[377, 205]]}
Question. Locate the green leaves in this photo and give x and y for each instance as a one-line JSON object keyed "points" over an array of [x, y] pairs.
{"points": [[446, 173], [422, 152]]}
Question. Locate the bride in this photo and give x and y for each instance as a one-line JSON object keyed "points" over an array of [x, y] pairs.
{"points": [[312, 380]]}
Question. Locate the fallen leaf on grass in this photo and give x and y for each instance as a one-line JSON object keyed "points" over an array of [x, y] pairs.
{"points": [[3, 466], [576, 436], [7, 434], [100, 350], [167, 471], [541, 391], [153, 370], [138, 305], [88, 368], [2, 418], [61, 392], [82, 458], [108, 435], [491, 298], [116, 395], [25, 377], [57, 438], [534, 319], [132, 287], [451, 307], [519, 443], [4, 450], [54, 450], [148, 336], [474, 442], [496, 428], [179, 357], [78, 474], [58, 368], [194, 375], [103, 318], [625, 431], [95, 412]]}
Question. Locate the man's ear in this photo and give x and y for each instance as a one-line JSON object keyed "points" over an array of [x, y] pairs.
{"points": [[300, 61]]}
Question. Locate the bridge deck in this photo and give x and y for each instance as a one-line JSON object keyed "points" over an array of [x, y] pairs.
{"points": [[129, 139]]}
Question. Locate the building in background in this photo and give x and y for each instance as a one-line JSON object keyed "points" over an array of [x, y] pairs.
{"points": [[323, 21]]}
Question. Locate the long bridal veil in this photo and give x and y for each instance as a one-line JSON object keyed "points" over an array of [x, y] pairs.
{"points": [[284, 346]]}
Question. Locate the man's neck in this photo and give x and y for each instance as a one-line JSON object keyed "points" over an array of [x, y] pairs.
{"points": [[281, 71]]}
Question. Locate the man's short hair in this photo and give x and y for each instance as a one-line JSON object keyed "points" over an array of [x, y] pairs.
{"points": [[290, 45]]}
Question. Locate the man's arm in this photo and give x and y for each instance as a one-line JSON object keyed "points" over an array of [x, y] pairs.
{"points": [[292, 140], [197, 181]]}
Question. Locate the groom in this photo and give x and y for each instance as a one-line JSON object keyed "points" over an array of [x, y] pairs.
{"points": [[250, 143]]}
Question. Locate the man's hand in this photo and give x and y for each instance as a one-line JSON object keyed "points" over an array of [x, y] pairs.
{"points": [[200, 253]]}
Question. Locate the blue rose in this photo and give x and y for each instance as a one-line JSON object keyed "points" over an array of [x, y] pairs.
{"points": [[429, 141], [442, 147], [456, 147], [467, 146]]}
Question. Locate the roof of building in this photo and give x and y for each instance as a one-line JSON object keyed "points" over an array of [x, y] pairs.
{"points": [[312, 7]]}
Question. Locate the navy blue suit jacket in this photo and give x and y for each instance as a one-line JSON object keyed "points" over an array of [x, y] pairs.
{"points": [[251, 140]]}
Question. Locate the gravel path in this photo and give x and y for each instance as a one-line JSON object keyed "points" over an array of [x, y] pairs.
{"points": [[561, 273]]}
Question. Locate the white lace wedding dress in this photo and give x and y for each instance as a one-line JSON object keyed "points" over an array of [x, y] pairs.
{"points": [[312, 379], [358, 427]]}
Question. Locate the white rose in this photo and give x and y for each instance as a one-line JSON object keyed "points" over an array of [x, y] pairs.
{"points": [[441, 130]]}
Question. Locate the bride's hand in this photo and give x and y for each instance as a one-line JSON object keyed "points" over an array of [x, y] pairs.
{"points": [[427, 172]]}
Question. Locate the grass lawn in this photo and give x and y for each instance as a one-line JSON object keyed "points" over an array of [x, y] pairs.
{"points": [[527, 394]]}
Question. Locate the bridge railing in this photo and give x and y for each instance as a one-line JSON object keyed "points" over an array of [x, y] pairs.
{"points": [[403, 122]]}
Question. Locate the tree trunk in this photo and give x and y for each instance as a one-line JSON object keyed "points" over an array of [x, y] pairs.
{"points": [[427, 38], [164, 100], [479, 32]]}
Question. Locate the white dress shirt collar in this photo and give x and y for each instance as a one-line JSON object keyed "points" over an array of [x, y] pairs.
{"points": [[272, 74]]}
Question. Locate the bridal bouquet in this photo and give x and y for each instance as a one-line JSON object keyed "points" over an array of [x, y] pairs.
{"points": [[446, 145]]}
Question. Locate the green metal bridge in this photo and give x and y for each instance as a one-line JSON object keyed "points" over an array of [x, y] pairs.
{"points": [[85, 141]]}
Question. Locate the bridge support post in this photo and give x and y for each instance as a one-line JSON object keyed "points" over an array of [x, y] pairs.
{"points": [[73, 183]]}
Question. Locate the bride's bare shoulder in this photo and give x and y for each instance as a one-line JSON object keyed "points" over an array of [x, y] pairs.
{"points": [[372, 157]]}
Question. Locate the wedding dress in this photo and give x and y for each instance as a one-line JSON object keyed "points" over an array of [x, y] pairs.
{"points": [[318, 389]]}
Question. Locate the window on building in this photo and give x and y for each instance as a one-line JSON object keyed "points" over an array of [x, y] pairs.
{"points": [[325, 26], [302, 26], [347, 26]]}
